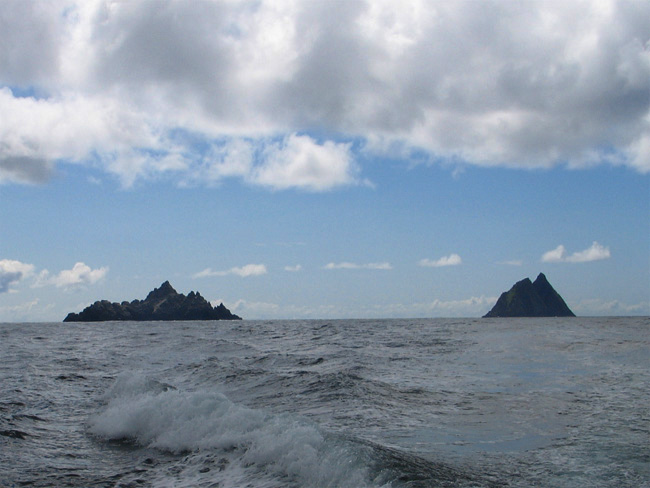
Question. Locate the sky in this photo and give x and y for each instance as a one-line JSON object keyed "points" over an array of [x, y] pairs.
{"points": [[324, 159]]}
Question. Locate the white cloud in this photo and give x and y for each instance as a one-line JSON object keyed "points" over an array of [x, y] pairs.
{"points": [[348, 265], [293, 269], [594, 253], [451, 260], [559, 255], [233, 158], [485, 83], [207, 272], [11, 272], [300, 162], [80, 274], [295, 161], [244, 271], [556, 255], [36, 132]]}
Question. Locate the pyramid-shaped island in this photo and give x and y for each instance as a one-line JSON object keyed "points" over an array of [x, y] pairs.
{"points": [[162, 303], [531, 299]]}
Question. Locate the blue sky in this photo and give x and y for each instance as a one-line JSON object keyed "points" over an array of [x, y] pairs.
{"points": [[324, 160]]}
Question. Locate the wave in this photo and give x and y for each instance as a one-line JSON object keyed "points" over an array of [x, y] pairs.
{"points": [[216, 435], [154, 415]]}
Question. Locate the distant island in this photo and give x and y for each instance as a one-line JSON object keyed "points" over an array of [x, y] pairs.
{"points": [[162, 303], [531, 299]]}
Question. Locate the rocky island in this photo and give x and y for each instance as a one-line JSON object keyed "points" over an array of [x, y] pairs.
{"points": [[162, 303], [531, 299]]}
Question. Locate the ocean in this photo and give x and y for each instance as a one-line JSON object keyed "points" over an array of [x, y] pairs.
{"points": [[549, 402]]}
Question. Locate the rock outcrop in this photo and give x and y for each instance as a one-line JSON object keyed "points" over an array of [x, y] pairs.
{"points": [[531, 299], [162, 303]]}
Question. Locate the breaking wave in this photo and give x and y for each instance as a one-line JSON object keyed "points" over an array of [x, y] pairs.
{"points": [[219, 440]]}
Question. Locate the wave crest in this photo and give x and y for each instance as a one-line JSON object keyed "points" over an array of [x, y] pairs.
{"points": [[154, 415]]}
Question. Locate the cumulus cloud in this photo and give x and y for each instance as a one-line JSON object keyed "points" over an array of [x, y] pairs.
{"points": [[300, 162], [34, 133], [11, 272], [348, 265], [80, 274], [294, 161], [112, 84], [293, 269], [244, 271], [595, 252], [451, 260]]}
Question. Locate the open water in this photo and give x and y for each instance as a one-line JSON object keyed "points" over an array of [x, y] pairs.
{"points": [[347, 403]]}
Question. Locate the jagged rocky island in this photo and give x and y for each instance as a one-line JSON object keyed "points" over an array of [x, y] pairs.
{"points": [[162, 303], [531, 299]]}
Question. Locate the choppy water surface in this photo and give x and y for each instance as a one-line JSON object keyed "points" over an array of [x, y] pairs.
{"points": [[349, 403]]}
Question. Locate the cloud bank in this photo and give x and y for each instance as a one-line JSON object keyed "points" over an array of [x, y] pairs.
{"points": [[596, 306], [470, 307], [288, 94], [595, 252]]}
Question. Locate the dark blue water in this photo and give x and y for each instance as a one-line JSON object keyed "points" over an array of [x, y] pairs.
{"points": [[349, 403]]}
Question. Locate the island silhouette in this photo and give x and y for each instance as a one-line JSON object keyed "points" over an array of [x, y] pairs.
{"points": [[531, 299], [162, 303]]}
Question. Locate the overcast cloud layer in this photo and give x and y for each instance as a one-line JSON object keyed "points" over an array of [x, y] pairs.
{"points": [[278, 93]]}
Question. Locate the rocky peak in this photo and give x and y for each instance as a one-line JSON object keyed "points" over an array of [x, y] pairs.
{"points": [[554, 303], [541, 280], [158, 294]]}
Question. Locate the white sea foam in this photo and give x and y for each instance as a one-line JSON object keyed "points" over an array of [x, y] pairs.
{"points": [[155, 415]]}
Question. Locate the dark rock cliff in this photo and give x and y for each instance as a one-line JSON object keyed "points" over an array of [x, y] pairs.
{"points": [[162, 303], [531, 299]]}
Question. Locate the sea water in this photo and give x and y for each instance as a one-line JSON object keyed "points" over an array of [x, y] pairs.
{"points": [[559, 402]]}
